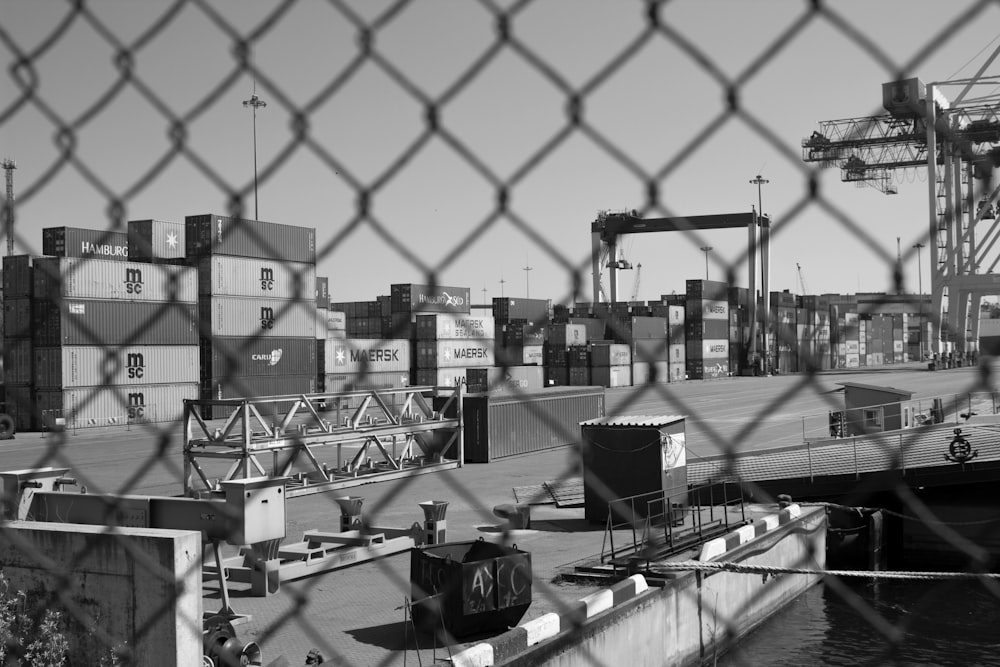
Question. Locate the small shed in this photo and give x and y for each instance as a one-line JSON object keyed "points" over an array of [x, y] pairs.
{"points": [[871, 408]]}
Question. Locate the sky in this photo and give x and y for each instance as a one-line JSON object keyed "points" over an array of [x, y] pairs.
{"points": [[144, 107]]}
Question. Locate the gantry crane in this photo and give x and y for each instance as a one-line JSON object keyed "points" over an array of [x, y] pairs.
{"points": [[958, 142], [802, 280]]}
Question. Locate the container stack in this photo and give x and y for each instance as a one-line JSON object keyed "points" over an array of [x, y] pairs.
{"points": [[406, 301], [739, 328], [448, 345], [18, 376], [85, 243], [649, 344], [355, 364], [257, 306], [115, 342], [782, 325], [520, 330], [156, 242], [707, 329], [676, 345], [565, 355], [610, 364]]}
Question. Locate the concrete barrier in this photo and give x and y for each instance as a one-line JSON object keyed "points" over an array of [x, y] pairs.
{"points": [[141, 585]]}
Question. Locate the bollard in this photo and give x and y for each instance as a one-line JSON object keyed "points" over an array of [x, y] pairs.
{"points": [[350, 512], [435, 525]]}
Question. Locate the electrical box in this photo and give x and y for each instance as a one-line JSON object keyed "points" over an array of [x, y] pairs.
{"points": [[258, 507], [905, 98]]}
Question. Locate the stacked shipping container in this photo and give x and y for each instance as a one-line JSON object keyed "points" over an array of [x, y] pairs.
{"points": [[18, 289], [707, 329]]}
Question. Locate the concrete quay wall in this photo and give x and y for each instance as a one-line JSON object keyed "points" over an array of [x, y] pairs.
{"points": [[141, 586], [691, 620]]}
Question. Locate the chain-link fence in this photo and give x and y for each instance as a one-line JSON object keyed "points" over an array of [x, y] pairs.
{"points": [[521, 31]]}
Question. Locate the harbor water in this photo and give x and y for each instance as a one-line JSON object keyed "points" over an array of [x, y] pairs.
{"points": [[898, 622]]}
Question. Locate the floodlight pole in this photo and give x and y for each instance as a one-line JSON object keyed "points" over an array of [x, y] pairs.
{"points": [[255, 103]]}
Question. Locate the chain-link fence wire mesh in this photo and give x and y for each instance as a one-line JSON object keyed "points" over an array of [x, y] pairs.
{"points": [[27, 92]]}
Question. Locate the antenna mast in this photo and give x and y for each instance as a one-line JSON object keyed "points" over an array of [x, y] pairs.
{"points": [[8, 207]]}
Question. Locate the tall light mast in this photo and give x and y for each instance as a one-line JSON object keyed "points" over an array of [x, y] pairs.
{"points": [[8, 207]]}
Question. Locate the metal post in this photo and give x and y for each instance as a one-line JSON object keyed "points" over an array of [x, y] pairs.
{"points": [[526, 269], [255, 103], [920, 298], [760, 181], [706, 249]]}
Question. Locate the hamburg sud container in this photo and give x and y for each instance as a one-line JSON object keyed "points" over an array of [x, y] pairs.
{"points": [[72, 366], [113, 322], [222, 356], [224, 275], [114, 405], [156, 241], [410, 298], [454, 353], [258, 316], [633, 456], [371, 355], [76, 278], [447, 326], [92, 243], [212, 234]]}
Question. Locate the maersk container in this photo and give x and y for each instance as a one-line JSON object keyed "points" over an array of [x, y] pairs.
{"points": [[91, 243], [212, 234], [252, 317], [454, 353], [225, 275], [17, 317], [76, 278], [17, 361], [440, 377], [610, 354], [336, 320], [406, 297], [221, 356], [17, 276], [498, 380], [644, 372], [508, 424], [114, 322], [450, 326], [371, 355], [113, 405], [611, 376], [71, 366], [704, 348], [156, 241]]}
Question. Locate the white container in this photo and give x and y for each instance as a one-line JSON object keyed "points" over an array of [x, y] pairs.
{"points": [[611, 376], [642, 372], [677, 372], [454, 326], [677, 354], [454, 353], [85, 278], [533, 355], [614, 354], [336, 320], [72, 366], [116, 405], [440, 377], [227, 275], [358, 355], [245, 316]]}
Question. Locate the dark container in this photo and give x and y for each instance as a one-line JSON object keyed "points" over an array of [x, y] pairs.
{"points": [[555, 356], [406, 297], [259, 386], [156, 241], [650, 349], [579, 376], [17, 317], [535, 311], [211, 234], [619, 462], [508, 424], [18, 280], [322, 292], [223, 356], [707, 289], [93, 243], [456, 574], [578, 356], [500, 380], [114, 322], [17, 361], [596, 327], [706, 329], [556, 376], [20, 404]]}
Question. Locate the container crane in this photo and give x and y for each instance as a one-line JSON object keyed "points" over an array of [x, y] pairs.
{"points": [[958, 142], [802, 281], [635, 285]]}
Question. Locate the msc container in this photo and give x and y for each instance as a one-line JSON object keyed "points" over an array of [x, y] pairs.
{"points": [[644, 372], [17, 276], [114, 322], [75, 278], [440, 377], [155, 241], [115, 405], [449, 326], [225, 275], [212, 234], [405, 298], [533, 311], [17, 361], [619, 462], [372, 355], [454, 353], [564, 335], [508, 424], [499, 380], [248, 316], [92, 243], [221, 356], [17, 318], [72, 366], [611, 376], [610, 354]]}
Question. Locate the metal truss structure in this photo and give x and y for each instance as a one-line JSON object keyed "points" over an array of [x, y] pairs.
{"points": [[381, 434], [958, 142]]}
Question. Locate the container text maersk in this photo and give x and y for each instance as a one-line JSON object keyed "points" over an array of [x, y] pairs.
{"points": [[357, 355]]}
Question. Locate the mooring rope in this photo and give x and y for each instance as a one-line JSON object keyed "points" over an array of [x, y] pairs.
{"points": [[742, 568]]}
